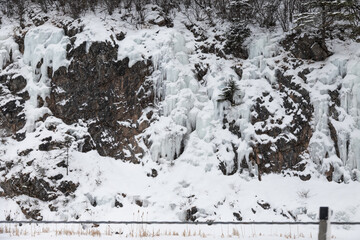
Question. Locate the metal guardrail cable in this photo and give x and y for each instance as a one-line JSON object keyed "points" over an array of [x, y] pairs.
{"points": [[174, 223]]}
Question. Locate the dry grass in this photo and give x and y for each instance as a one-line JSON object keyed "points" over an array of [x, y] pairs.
{"points": [[235, 232], [15, 231], [79, 232], [142, 231]]}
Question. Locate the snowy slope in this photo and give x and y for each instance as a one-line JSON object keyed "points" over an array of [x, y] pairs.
{"points": [[188, 139]]}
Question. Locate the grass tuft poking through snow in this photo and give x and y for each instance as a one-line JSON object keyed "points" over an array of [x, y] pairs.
{"points": [[162, 232]]}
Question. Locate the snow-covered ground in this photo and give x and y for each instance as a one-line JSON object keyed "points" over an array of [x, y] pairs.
{"points": [[180, 187]]}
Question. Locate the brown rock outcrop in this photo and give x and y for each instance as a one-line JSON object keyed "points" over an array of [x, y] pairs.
{"points": [[24, 184], [279, 145], [284, 151], [12, 97], [105, 93], [306, 47]]}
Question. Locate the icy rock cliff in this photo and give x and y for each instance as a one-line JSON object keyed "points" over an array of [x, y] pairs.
{"points": [[156, 95], [83, 101]]}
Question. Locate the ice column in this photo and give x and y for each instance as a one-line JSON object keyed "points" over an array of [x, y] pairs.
{"points": [[8, 48], [350, 101], [45, 47], [175, 84]]}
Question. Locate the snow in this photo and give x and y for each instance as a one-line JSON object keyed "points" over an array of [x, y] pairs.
{"points": [[160, 232], [188, 140], [93, 30], [107, 178]]}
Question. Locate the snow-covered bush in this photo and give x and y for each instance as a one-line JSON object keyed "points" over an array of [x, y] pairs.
{"points": [[229, 92]]}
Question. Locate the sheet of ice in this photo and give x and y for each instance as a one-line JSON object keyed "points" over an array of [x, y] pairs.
{"points": [[339, 73], [9, 49], [263, 44], [167, 139], [350, 101], [44, 48], [174, 85]]}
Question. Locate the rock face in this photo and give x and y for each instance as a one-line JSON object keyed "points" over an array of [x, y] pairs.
{"points": [[280, 139], [24, 184], [306, 47], [67, 187], [12, 100], [106, 94], [38, 188], [286, 143]]}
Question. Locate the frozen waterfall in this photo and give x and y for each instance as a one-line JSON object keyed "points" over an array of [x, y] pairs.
{"points": [[45, 48]]}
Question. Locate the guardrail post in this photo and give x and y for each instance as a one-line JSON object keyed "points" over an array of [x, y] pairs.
{"points": [[324, 224]]}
